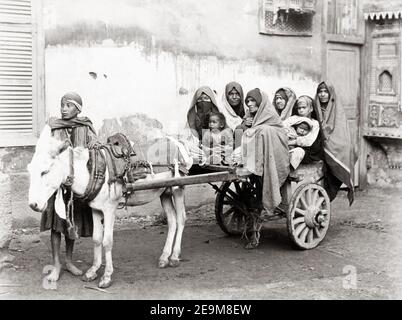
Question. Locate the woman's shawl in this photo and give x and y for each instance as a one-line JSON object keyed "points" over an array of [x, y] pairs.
{"points": [[266, 153], [232, 118], [192, 115], [287, 111], [338, 147], [191, 137]]}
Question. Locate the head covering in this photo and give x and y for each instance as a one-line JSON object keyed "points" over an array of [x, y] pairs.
{"points": [[281, 93], [195, 121], [256, 95], [322, 85], [239, 110], [310, 103], [339, 150], [73, 98], [234, 116], [290, 97]]}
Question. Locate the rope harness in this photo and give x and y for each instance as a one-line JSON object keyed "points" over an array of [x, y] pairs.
{"points": [[72, 230]]}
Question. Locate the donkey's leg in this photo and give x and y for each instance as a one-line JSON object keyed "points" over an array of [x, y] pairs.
{"points": [[97, 237], [109, 216], [167, 204], [180, 210]]}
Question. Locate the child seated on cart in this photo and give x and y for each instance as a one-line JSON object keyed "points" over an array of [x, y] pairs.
{"points": [[302, 132], [217, 142]]}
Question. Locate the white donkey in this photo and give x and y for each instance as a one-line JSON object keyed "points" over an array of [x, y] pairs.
{"points": [[49, 169]]}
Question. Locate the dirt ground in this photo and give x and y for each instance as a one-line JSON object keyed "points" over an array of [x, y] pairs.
{"points": [[359, 259]]}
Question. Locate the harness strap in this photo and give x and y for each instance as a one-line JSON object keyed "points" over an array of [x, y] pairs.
{"points": [[111, 166], [97, 170]]}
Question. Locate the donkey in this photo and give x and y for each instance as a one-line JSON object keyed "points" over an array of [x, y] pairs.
{"points": [[49, 170]]}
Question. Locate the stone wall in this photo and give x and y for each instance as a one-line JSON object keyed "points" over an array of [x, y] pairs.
{"points": [[5, 211]]}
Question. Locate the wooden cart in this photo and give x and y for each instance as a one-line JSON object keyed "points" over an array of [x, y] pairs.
{"points": [[306, 205]]}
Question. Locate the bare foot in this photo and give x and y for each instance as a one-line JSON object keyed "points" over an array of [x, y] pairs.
{"points": [[54, 273], [73, 269]]}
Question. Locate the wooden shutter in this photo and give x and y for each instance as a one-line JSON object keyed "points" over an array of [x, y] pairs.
{"points": [[16, 74]]}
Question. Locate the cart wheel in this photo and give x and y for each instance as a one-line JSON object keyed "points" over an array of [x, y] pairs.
{"points": [[232, 201], [309, 216]]}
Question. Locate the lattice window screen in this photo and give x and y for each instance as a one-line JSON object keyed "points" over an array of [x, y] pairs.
{"points": [[386, 85], [287, 17], [16, 66]]}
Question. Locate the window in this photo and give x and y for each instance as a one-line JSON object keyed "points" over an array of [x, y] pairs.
{"points": [[287, 17], [385, 82], [345, 17], [21, 66]]}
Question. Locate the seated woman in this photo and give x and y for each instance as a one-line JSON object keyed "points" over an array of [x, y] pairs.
{"points": [[302, 132], [265, 154], [232, 105], [284, 101], [338, 148], [202, 105], [217, 142]]}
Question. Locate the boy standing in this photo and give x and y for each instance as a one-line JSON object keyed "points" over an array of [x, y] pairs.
{"points": [[80, 133]]}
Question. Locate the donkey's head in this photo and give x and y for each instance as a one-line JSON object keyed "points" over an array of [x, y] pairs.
{"points": [[47, 170]]}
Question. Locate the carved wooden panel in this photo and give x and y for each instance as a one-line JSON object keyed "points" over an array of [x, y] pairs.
{"points": [[386, 50], [384, 116]]}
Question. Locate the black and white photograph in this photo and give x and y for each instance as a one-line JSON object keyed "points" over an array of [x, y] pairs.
{"points": [[218, 151]]}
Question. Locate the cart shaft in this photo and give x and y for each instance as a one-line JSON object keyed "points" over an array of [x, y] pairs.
{"points": [[182, 181]]}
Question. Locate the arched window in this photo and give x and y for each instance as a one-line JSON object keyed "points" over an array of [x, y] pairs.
{"points": [[386, 85]]}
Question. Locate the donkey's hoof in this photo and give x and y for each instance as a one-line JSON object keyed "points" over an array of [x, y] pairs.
{"points": [[163, 264], [105, 282], [89, 277], [174, 263]]}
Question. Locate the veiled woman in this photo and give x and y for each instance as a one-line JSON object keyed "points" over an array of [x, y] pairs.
{"points": [[284, 101], [265, 153], [338, 147], [202, 105]]}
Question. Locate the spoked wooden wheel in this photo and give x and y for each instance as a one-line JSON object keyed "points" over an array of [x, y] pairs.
{"points": [[309, 216], [232, 203]]}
